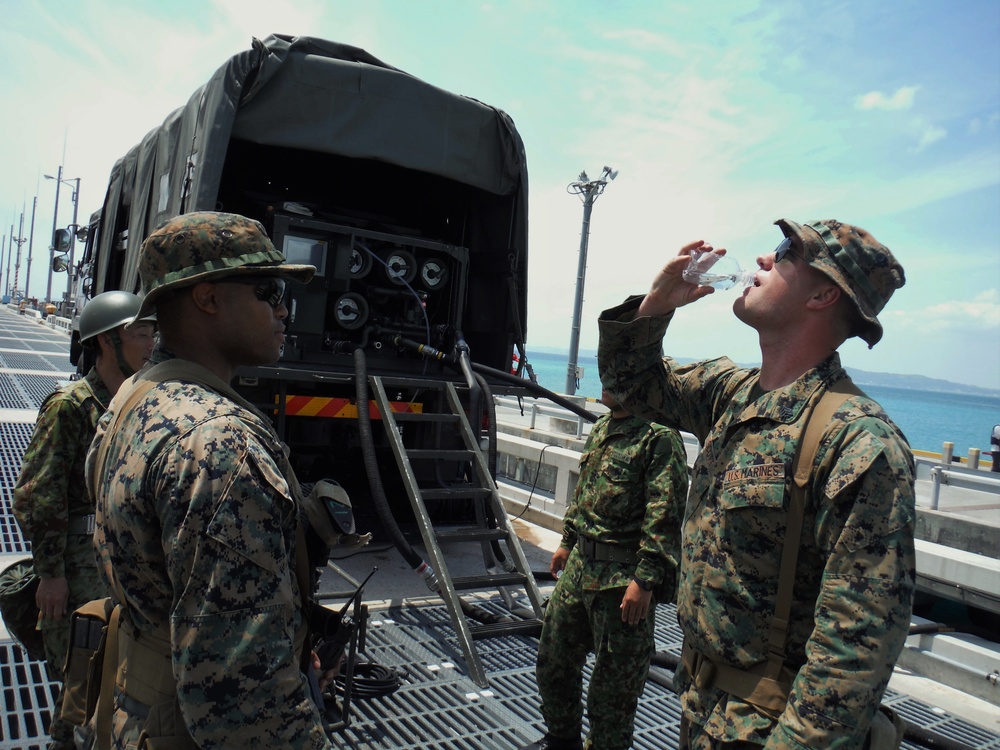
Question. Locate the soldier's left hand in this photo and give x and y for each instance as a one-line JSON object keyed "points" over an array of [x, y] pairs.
{"points": [[326, 678], [52, 597], [635, 604]]}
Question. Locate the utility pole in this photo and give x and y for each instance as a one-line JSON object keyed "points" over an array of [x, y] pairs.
{"points": [[72, 247], [55, 224], [21, 239], [31, 243], [589, 191], [73, 229]]}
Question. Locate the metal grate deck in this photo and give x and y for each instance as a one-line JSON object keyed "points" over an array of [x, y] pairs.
{"points": [[13, 442], [27, 699], [23, 361], [437, 707]]}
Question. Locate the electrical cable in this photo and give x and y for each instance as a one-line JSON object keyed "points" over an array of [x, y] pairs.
{"points": [[370, 680], [366, 550], [538, 469]]}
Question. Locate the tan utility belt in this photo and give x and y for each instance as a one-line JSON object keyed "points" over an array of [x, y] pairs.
{"points": [[749, 684], [602, 552]]}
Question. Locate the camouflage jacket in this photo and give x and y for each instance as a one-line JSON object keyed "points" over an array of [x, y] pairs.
{"points": [[856, 571], [196, 532], [631, 490], [50, 488]]}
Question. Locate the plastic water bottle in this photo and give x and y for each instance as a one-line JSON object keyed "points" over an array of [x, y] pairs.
{"points": [[716, 271]]}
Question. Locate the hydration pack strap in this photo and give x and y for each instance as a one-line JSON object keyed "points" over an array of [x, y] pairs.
{"points": [[768, 684]]}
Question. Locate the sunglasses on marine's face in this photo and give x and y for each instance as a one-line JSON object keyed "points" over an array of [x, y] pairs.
{"points": [[784, 249], [270, 290]]}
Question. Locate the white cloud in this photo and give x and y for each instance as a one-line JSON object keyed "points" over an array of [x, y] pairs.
{"points": [[902, 99], [930, 134], [982, 312], [979, 125]]}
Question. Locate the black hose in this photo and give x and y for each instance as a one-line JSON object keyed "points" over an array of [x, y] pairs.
{"points": [[931, 739], [374, 480], [665, 659], [370, 680], [528, 385], [930, 627], [491, 456], [536, 389]]}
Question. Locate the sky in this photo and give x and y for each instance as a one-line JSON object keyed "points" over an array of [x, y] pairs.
{"points": [[720, 117]]}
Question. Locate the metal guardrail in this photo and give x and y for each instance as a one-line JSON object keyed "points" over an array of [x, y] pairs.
{"points": [[537, 409], [959, 479]]}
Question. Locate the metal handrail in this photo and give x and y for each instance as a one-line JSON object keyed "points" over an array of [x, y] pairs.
{"points": [[962, 480]]}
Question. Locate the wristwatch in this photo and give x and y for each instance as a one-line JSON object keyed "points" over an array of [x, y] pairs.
{"points": [[644, 585]]}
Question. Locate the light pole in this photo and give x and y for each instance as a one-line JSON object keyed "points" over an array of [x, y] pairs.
{"points": [[74, 226], [31, 244], [55, 224], [588, 190]]}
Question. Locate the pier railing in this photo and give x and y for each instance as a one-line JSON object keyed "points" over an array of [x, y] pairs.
{"points": [[539, 446], [961, 479]]}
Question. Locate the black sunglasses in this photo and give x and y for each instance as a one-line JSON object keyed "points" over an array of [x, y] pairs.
{"points": [[785, 248], [271, 291]]}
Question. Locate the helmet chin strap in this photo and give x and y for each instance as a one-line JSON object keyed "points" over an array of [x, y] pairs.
{"points": [[116, 342]]}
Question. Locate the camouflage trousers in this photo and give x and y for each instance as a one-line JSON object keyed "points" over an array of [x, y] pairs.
{"points": [[84, 586], [581, 619], [694, 737]]}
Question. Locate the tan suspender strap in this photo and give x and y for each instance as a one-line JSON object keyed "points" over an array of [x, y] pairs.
{"points": [[802, 465], [767, 684], [105, 705]]}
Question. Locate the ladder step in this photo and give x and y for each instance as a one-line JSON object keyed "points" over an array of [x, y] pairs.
{"points": [[417, 416], [429, 454], [421, 384], [496, 629], [470, 535], [463, 583], [455, 493]]}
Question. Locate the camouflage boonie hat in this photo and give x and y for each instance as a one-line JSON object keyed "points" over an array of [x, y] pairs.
{"points": [[205, 246], [859, 264]]}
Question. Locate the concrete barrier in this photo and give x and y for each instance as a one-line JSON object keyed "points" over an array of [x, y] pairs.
{"points": [[59, 323]]}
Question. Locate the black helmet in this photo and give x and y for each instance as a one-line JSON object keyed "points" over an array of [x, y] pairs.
{"points": [[106, 312]]}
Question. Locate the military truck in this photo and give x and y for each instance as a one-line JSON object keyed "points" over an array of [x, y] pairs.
{"points": [[412, 203]]}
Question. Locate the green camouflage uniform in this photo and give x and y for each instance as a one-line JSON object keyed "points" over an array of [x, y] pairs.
{"points": [[196, 529], [855, 575], [49, 492], [633, 479]]}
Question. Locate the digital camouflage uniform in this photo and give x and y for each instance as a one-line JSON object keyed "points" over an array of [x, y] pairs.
{"points": [[49, 492], [198, 514], [855, 574], [633, 479]]}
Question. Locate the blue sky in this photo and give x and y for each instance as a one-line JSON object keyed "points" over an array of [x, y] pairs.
{"points": [[720, 117]]}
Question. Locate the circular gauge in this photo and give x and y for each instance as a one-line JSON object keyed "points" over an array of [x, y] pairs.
{"points": [[351, 311], [401, 267], [360, 263], [433, 273]]}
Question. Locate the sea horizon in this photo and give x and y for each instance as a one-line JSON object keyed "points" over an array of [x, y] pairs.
{"points": [[928, 411]]}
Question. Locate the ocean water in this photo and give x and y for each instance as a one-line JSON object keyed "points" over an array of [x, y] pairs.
{"points": [[927, 418]]}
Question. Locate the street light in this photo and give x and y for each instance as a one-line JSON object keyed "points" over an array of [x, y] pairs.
{"points": [[588, 190], [72, 244]]}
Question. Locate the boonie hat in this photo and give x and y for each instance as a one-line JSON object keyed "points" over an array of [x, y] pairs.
{"points": [[206, 245], [860, 265]]}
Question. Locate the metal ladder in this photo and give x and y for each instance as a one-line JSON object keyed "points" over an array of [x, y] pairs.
{"points": [[492, 523]]}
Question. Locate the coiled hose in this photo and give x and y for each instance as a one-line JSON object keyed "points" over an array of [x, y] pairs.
{"points": [[370, 681]]}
